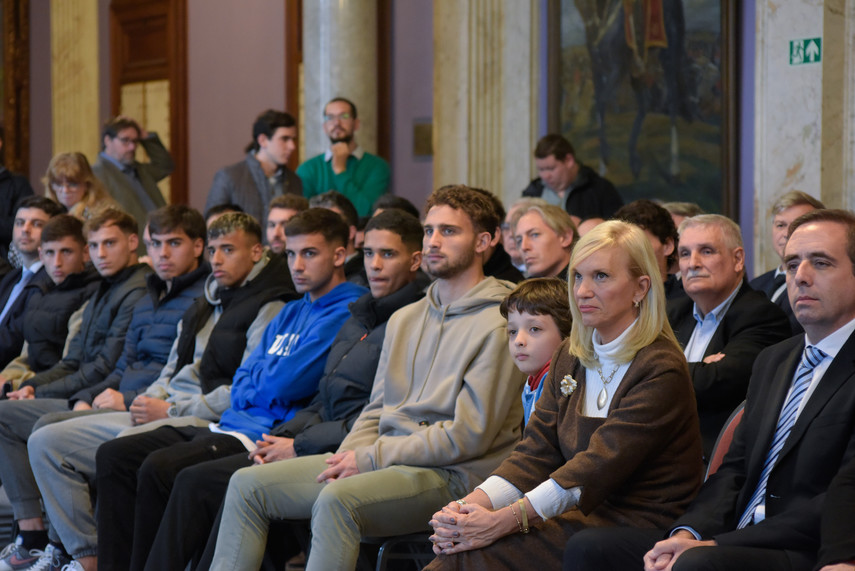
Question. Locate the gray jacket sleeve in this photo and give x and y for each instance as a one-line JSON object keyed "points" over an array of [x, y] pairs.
{"points": [[221, 190], [161, 165]]}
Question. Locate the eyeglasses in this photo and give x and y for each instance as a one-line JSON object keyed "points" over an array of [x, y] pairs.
{"points": [[57, 186], [127, 140], [342, 117]]}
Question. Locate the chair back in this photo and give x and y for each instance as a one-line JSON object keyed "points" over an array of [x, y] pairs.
{"points": [[725, 437]]}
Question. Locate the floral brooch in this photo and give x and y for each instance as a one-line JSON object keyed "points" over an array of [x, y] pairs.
{"points": [[568, 385]]}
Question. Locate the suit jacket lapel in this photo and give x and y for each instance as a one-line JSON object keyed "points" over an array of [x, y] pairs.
{"points": [[717, 343], [838, 373], [782, 380]]}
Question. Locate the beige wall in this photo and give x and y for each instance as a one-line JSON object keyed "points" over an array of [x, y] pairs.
{"points": [[236, 69]]}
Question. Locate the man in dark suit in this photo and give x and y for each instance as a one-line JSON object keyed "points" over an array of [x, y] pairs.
{"points": [[786, 209], [838, 534], [761, 509], [723, 324]]}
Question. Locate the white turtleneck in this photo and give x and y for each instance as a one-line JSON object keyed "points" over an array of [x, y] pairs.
{"points": [[594, 382]]}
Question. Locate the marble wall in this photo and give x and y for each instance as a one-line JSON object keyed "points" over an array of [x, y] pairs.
{"points": [[486, 74], [339, 60], [804, 112]]}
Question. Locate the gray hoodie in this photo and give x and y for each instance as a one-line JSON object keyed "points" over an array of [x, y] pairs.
{"points": [[446, 393]]}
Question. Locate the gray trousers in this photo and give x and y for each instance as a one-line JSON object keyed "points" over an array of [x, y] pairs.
{"points": [[390, 501], [17, 418], [62, 455]]}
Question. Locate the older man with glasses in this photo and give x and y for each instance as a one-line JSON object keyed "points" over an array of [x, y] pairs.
{"points": [[133, 184]]}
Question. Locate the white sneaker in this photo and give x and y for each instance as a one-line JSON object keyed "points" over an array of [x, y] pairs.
{"points": [[51, 559], [73, 566]]}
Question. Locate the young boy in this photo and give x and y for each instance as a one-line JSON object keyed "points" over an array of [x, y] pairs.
{"points": [[538, 314]]}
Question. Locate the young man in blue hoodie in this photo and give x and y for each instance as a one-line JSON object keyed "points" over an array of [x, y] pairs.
{"points": [[271, 385]]}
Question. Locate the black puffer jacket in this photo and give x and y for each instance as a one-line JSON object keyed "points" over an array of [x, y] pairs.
{"points": [[94, 351], [45, 322]]}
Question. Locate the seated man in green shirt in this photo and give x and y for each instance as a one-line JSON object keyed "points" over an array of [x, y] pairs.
{"points": [[345, 167]]}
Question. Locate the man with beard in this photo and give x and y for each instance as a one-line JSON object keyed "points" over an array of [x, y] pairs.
{"points": [[345, 166], [281, 210]]}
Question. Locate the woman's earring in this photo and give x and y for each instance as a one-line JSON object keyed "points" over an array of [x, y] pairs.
{"points": [[636, 303]]}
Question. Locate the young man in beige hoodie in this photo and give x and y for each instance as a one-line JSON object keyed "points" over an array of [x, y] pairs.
{"points": [[443, 413]]}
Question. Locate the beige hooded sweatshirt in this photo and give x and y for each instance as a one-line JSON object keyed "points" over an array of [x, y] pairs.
{"points": [[446, 393]]}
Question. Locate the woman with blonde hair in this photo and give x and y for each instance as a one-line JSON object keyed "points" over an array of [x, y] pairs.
{"points": [[613, 439], [69, 180]]}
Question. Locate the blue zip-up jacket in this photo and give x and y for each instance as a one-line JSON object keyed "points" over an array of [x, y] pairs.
{"points": [[283, 372], [150, 335]]}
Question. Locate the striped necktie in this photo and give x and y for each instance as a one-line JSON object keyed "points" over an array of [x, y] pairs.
{"points": [[812, 357]]}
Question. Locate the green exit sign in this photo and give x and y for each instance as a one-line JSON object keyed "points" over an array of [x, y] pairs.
{"points": [[805, 51]]}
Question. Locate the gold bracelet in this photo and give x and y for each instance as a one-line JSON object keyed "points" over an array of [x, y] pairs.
{"points": [[516, 518], [524, 527]]}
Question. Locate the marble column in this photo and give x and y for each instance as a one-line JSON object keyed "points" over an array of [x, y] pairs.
{"points": [[74, 76], [339, 60], [486, 70], [804, 114]]}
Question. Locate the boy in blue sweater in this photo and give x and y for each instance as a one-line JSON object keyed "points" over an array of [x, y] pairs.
{"points": [[271, 385]]}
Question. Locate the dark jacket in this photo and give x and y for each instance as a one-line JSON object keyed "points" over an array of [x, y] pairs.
{"points": [[500, 266], [821, 441], [150, 335], [838, 541], [751, 324], [348, 374], [44, 322], [590, 195], [245, 184], [94, 351], [5, 267], [7, 283], [13, 187], [227, 341], [11, 329]]}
